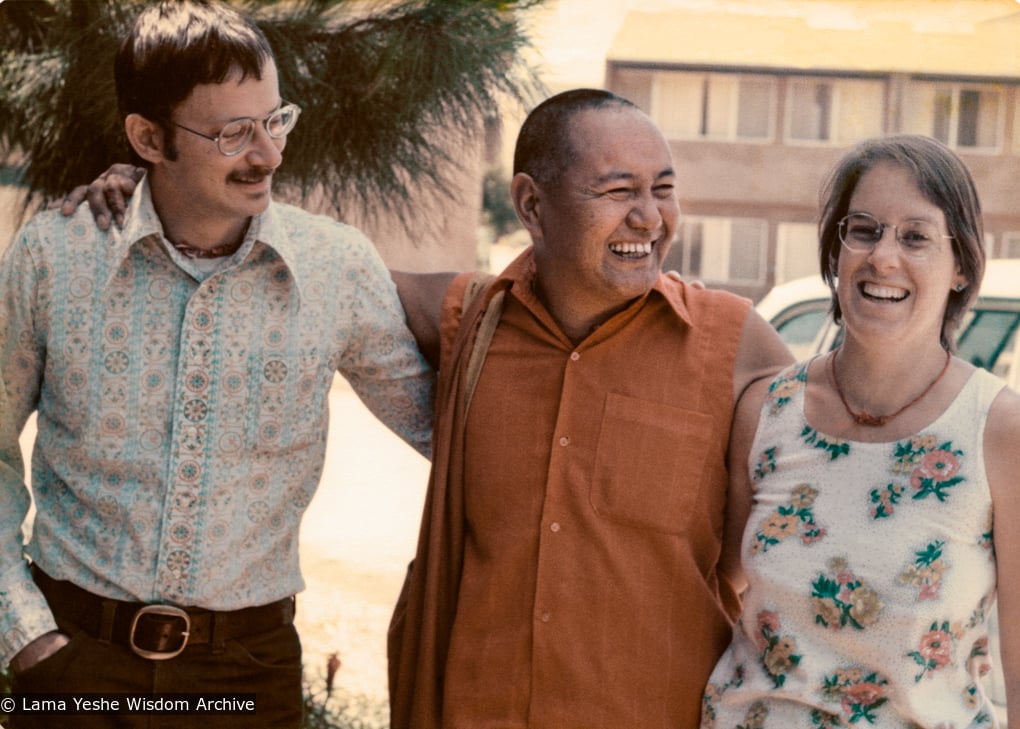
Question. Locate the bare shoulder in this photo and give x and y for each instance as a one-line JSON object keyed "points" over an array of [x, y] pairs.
{"points": [[760, 351], [760, 354], [1002, 464], [1002, 436]]}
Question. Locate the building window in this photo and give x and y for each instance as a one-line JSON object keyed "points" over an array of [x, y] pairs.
{"points": [[796, 251], [635, 85], [1011, 244], [962, 116], [834, 111], [713, 106], [720, 250]]}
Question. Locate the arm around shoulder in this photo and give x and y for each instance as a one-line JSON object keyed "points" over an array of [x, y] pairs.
{"points": [[106, 195], [421, 295], [1002, 463]]}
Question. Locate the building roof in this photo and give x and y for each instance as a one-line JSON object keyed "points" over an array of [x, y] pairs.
{"points": [[977, 39]]}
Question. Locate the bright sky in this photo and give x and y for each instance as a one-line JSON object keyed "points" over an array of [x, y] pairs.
{"points": [[574, 36]]}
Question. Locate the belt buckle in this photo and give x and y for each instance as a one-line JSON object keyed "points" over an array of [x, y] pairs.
{"points": [[160, 632]]}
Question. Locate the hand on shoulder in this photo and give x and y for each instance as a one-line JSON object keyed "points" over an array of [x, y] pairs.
{"points": [[107, 194], [675, 275]]}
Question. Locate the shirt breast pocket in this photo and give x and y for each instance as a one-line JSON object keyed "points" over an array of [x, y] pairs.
{"points": [[288, 402], [650, 463]]}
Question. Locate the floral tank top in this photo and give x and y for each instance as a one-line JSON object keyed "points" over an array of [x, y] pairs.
{"points": [[870, 570]]}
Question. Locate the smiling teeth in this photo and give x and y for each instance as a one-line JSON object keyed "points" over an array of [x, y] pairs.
{"points": [[631, 248], [884, 292]]}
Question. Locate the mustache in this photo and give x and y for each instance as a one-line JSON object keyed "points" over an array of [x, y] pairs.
{"points": [[251, 174]]}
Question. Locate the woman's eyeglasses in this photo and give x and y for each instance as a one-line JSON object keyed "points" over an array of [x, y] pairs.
{"points": [[861, 232]]}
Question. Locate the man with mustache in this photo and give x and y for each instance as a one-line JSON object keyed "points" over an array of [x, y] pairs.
{"points": [[180, 367]]}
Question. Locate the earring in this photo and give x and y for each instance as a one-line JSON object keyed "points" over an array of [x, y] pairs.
{"points": [[959, 287]]}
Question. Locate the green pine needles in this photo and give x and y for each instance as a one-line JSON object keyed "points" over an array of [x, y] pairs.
{"points": [[390, 91]]}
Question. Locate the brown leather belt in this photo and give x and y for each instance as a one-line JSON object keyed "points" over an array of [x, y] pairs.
{"points": [[157, 632]]}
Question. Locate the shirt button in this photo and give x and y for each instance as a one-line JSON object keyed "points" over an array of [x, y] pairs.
{"points": [[555, 526], [564, 441], [545, 617], [575, 356]]}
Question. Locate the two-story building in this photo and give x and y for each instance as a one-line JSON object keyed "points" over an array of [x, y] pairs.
{"points": [[759, 104]]}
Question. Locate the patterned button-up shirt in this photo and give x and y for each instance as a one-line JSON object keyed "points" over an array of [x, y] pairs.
{"points": [[182, 415]]}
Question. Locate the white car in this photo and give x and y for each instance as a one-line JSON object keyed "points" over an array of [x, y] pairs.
{"points": [[988, 337]]}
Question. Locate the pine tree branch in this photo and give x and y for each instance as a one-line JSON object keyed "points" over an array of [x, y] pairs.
{"points": [[389, 95]]}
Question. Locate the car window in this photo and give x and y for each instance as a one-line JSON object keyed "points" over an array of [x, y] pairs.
{"points": [[1005, 366], [799, 325], [986, 335], [799, 331]]}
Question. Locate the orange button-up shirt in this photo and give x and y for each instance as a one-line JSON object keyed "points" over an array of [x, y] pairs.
{"points": [[594, 491]]}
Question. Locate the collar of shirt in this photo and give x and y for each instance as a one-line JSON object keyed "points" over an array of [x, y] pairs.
{"points": [[519, 278], [141, 223]]}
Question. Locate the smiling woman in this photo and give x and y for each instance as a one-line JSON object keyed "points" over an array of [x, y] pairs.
{"points": [[881, 606], [941, 189], [887, 285]]}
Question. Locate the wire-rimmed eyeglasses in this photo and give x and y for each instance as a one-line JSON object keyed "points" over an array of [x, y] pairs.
{"points": [[235, 135], [861, 232]]}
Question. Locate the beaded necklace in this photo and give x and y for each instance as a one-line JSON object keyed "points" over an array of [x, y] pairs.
{"points": [[865, 418], [218, 252]]}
